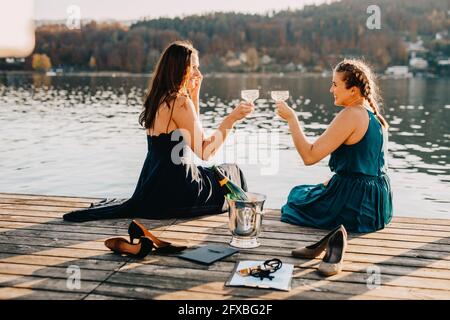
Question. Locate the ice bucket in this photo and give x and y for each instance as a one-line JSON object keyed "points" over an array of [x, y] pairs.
{"points": [[245, 219]]}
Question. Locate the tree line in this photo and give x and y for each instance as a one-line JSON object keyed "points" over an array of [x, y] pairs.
{"points": [[314, 37]]}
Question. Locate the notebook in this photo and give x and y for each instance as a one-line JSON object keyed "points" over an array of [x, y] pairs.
{"points": [[207, 254]]}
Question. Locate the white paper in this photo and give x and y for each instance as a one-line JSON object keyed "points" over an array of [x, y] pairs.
{"points": [[281, 278]]}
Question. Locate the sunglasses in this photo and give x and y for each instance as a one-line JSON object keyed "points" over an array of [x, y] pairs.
{"points": [[268, 267]]}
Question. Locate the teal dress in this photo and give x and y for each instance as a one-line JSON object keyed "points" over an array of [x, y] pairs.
{"points": [[358, 195]]}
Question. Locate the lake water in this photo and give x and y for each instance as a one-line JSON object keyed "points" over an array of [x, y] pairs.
{"points": [[79, 135]]}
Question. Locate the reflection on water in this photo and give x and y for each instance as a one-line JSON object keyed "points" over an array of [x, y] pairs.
{"points": [[78, 135]]}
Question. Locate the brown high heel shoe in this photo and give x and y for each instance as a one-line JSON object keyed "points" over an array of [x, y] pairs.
{"points": [[136, 230], [333, 259], [122, 246], [314, 250]]}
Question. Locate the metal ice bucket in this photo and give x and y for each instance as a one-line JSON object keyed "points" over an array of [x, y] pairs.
{"points": [[245, 220]]}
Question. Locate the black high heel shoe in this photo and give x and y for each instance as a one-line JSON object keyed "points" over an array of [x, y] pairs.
{"points": [[122, 246], [136, 230]]}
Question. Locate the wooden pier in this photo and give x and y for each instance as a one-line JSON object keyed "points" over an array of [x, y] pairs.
{"points": [[37, 247]]}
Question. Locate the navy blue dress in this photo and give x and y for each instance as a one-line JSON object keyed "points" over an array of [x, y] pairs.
{"points": [[169, 186]]}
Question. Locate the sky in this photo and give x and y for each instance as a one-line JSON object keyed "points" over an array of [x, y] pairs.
{"points": [[136, 9]]}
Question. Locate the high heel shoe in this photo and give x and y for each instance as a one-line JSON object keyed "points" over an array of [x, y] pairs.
{"points": [[122, 246], [332, 261], [136, 230], [314, 250]]}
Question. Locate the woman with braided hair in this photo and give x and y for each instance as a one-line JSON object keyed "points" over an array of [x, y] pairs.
{"points": [[359, 194]]}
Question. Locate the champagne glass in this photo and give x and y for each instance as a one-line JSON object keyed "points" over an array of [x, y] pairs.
{"points": [[250, 95], [281, 95]]}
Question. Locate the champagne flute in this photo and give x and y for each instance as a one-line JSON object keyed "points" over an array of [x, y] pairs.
{"points": [[250, 96], [281, 95]]}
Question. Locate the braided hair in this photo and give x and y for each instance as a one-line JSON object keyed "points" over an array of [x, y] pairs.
{"points": [[358, 74]]}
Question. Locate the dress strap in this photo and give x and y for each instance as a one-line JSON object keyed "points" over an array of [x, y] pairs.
{"points": [[171, 113]]}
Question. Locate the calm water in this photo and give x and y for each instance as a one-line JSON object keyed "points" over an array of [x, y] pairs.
{"points": [[78, 135]]}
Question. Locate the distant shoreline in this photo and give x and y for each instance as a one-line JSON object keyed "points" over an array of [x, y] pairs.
{"points": [[119, 74], [147, 75]]}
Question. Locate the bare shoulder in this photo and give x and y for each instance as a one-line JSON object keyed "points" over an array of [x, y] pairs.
{"points": [[352, 114], [183, 101]]}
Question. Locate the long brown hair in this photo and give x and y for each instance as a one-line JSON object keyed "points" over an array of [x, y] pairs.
{"points": [[358, 74], [168, 80]]}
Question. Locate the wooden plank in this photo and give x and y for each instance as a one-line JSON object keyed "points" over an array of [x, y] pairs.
{"points": [[363, 241], [181, 237], [47, 197], [401, 225], [98, 245], [397, 270], [391, 228], [140, 292], [104, 297], [301, 236], [275, 213], [41, 260], [213, 282], [157, 289], [32, 294], [39, 211], [176, 262], [6, 216], [20, 212], [408, 220], [68, 252], [269, 212], [288, 244], [114, 223], [55, 243], [74, 227], [43, 203], [16, 211], [45, 283], [52, 271], [409, 260], [278, 226], [395, 223], [55, 236], [187, 272], [222, 222]]}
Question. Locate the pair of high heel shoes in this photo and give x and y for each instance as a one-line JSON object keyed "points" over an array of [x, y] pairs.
{"points": [[145, 245], [335, 244]]}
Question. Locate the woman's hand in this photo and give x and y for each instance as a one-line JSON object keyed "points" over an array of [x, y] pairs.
{"points": [[284, 111], [242, 111], [194, 85]]}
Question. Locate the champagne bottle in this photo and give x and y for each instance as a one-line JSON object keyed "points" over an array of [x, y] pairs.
{"points": [[235, 192]]}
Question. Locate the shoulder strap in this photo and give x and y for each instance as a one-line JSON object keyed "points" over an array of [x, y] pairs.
{"points": [[171, 113]]}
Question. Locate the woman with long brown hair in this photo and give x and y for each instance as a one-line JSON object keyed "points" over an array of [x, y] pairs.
{"points": [[170, 185], [359, 194]]}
